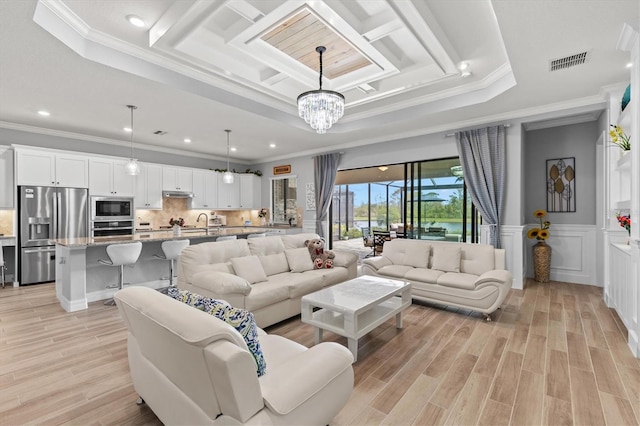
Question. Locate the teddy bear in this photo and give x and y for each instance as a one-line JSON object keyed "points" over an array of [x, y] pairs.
{"points": [[322, 259]]}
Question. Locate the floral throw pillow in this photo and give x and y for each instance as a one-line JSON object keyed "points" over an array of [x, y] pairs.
{"points": [[240, 319]]}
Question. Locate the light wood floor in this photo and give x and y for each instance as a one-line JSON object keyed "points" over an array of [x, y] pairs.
{"points": [[555, 354]]}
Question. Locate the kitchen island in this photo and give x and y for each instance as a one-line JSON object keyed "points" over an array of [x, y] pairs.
{"points": [[81, 279]]}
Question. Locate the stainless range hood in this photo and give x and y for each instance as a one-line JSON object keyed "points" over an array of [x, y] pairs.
{"points": [[177, 194]]}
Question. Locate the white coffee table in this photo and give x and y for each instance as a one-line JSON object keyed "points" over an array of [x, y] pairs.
{"points": [[355, 307]]}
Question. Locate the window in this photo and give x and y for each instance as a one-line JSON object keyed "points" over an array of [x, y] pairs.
{"points": [[284, 199], [422, 200]]}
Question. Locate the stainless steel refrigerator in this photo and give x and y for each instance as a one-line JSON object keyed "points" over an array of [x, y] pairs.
{"points": [[47, 213]]}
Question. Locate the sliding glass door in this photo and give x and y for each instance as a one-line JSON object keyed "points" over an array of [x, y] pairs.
{"points": [[420, 200]]}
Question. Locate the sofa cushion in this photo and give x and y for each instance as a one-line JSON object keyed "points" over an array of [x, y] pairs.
{"points": [[408, 252], [334, 276], [446, 258], [249, 268], [398, 271], [300, 284], [297, 240], [210, 253], [267, 293], [240, 319], [214, 267], [477, 258], [221, 282], [458, 280], [265, 246], [274, 263], [424, 275], [299, 259]]}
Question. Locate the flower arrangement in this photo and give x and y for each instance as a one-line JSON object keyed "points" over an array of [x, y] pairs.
{"points": [[619, 138], [263, 212], [541, 233], [176, 222], [624, 221]]}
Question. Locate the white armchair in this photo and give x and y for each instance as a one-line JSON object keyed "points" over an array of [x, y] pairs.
{"points": [[192, 368]]}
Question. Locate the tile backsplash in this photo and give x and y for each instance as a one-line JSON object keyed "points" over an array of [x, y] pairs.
{"points": [[178, 207], [6, 222]]}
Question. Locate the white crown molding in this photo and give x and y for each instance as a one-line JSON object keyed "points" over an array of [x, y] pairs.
{"points": [[576, 106], [108, 141]]}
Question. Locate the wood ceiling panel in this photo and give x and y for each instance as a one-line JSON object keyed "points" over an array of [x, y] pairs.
{"points": [[300, 34]]}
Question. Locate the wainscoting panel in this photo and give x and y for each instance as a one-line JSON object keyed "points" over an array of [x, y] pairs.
{"points": [[573, 257]]}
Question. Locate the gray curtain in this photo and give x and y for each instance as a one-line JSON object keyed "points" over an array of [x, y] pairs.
{"points": [[483, 164], [325, 168]]}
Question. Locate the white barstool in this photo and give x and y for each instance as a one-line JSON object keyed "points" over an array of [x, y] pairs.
{"points": [[227, 238], [257, 235], [171, 251], [121, 255], [2, 265]]}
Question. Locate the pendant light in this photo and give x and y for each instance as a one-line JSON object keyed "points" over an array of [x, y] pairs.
{"points": [[227, 177], [132, 167], [321, 108]]}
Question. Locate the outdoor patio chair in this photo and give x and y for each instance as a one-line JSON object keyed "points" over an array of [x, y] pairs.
{"points": [[367, 239]]}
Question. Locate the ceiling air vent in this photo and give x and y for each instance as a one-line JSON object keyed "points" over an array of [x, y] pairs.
{"points": [[568, 61], [159, 132]]}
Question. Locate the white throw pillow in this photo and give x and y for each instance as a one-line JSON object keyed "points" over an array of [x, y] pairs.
{"points": [[274, 263], [249, 268], [445, 258], [299, 259]]}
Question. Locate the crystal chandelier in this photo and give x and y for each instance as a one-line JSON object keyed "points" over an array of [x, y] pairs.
{"points": [[321, 108], [227, 177], [132, 167]]}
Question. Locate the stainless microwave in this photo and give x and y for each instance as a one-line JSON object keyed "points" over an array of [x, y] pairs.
{"points": [[112, 208]]}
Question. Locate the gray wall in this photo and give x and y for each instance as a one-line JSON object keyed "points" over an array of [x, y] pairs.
{"points": [[576, 140]]}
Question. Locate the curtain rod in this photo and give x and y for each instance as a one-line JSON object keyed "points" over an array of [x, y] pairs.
{"points": [[450, 135]]}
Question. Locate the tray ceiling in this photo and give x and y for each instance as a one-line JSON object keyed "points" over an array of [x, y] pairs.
{"points": [[200, 66]]}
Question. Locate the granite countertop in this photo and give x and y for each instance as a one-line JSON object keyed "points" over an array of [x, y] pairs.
{"points": [[188, 233]]}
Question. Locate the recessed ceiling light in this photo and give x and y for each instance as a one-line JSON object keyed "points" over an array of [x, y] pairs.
{"points": [[44, 113], [463, 66], [630, 64], [187, 140], [136, 21], [272, 145], [383, 168], [234, 149], [127, 129], [465, 74]]}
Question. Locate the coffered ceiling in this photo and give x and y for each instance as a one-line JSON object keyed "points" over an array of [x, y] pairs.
{"points": [[198, 67]]}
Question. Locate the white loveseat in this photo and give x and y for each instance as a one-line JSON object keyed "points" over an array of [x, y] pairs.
{"points": [[470, 276], [267, 276], [194, 369]]}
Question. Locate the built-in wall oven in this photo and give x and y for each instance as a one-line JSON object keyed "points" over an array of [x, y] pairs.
{"points": [[112, 216]]}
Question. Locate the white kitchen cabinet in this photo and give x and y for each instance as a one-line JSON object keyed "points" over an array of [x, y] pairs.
{"points": [[109, 177], [205, 189], [6, 178], [229, 193], [149, 187], [177, 179], [46, 168], [250, 191]]}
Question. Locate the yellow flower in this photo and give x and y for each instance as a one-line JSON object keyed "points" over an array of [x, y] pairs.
{"points": [[539, 213], [533, 233], [542, 232]]}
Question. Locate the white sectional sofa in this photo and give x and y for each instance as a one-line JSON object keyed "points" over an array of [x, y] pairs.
{"points": [[192, 368], [267, 276], [470, 276]]}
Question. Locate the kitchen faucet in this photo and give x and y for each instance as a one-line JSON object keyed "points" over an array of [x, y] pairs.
{"points": [[206, 218]]}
